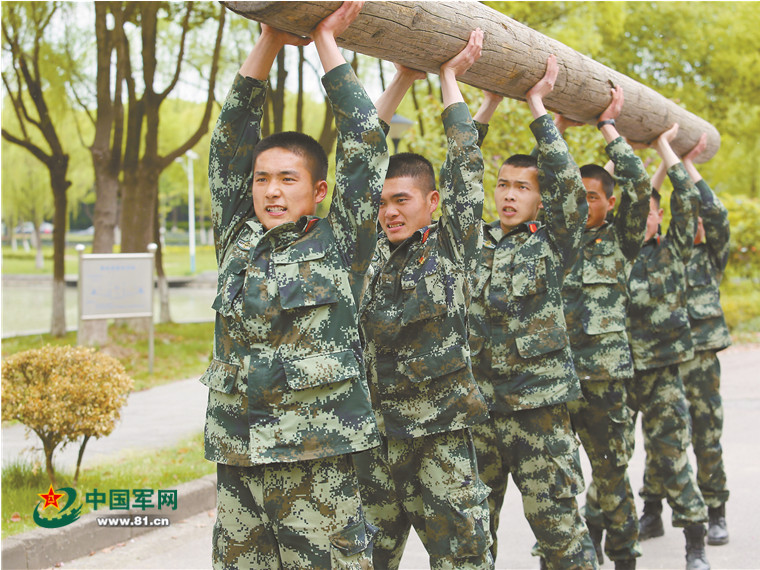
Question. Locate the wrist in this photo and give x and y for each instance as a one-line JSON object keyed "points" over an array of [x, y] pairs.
{"points": [[604, 122]]}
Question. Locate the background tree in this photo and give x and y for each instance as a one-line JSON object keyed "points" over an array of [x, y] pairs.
{"points": [[34, 79]]}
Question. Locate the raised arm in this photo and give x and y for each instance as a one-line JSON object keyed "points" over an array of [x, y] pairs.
{"points": [[391, 98], [235, 135], [632, 178], [484, 114], [711, 209], [684, 201], [361, 154], [562, 192], [461, 177]]}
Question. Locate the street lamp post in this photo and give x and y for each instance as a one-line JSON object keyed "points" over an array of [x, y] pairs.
{"points": [[399, 125]]}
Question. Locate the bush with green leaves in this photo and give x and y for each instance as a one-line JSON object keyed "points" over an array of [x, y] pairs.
{"points": [[64, 394]]}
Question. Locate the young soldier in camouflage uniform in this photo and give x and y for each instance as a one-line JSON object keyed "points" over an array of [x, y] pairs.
{"points": [[701, 374], [660, 341], [288, 399], [521, 354], [595, 296], [414, 321]]}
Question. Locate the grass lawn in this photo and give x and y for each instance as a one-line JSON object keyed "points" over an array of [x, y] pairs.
{"points": [[181, 350], [158, 469], [176, 260]]}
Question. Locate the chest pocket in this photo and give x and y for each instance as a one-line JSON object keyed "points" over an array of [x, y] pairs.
{"points": [[600, 264], [662, 278], [233, 278], [423, 287], [304, 276], [529, 273], [698, 275]]}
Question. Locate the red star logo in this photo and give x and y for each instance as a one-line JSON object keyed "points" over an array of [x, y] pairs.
{"points": [[51, 498]]}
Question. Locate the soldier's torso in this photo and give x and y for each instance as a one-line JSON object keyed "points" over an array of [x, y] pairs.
{"points": [[595, 297], [659, 325], [286, 330], [521, 353], [708, 326], [414, 321]]}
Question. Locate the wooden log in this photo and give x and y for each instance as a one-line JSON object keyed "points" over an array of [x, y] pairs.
{"points": [[422, 35]]}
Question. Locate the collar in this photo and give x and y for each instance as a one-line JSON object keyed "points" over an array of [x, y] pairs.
{"points": [[497, 233]]}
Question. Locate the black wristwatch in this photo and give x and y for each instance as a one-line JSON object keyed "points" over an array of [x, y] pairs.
{"points": [[600, 124]]}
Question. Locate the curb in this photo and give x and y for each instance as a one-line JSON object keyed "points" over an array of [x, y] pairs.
{"points": [[45, 548]]}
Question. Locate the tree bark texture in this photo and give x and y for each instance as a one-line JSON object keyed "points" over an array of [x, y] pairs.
{"points": [[423, 35]]}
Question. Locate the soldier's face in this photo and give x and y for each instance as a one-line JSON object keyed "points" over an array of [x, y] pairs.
{"points": [[598, 203], [517, 196], [405, 207], [654, 219], [283, 189]]}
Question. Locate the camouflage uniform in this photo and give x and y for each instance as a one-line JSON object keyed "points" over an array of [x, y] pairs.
{"points": [[595, 295], [660, 341], [288, 397], [414, 322], [523, 364], [709, 334]]}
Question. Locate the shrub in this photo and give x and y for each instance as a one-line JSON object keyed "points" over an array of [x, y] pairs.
{"points": [[64, 393]]}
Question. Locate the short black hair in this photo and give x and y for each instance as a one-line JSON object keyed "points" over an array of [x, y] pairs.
{"points": [[521, 161], [656, 196], [596, 172], [299, 144], [412, 165]]}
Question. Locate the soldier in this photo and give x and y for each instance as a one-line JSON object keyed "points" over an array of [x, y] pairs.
{"points": [[595, 296], [414, 322], [521, 353], [660, 341], [701, 374], [288, 399]]}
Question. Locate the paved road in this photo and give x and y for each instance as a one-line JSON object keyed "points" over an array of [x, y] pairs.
{"points": [[186, 544]]}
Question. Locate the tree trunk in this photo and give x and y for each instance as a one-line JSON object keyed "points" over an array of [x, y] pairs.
{"points": [[423, 35], [39, 262], [59, 185]]}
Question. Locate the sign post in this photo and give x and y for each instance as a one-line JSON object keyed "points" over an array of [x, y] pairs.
{"points": [[117, 286]]}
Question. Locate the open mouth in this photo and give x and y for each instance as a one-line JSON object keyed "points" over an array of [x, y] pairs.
{"points": [[395, 225], [274, 210]]}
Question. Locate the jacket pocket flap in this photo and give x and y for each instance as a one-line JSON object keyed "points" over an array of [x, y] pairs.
{"points": [[300, 251], [321, 369], [220, 376], [434, 364], [542, 342]]}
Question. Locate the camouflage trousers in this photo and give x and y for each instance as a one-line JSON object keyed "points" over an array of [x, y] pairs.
{"points": [[430, 483], [538, 447], [605, 427], [659, 395], [306, 514], [701, 382]]}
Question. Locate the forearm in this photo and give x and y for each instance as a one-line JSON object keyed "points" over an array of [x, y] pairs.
{"points": [[391, 98], [684, 208], [461, 183]]}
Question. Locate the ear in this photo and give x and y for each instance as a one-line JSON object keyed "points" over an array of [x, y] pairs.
{"points": [[433, 198], [541, 205], [320, 191], [611, 202]]}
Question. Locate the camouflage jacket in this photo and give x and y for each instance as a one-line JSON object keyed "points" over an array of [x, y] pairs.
{"points": [[659, 326], [414, 318], [287, 381], [521, 354], [595, 292], [704, 272]]}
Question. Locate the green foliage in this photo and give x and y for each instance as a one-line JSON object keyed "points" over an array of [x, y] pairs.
{"points": [[181, 350], [157, 469], [744, 217], [63, 393]]}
